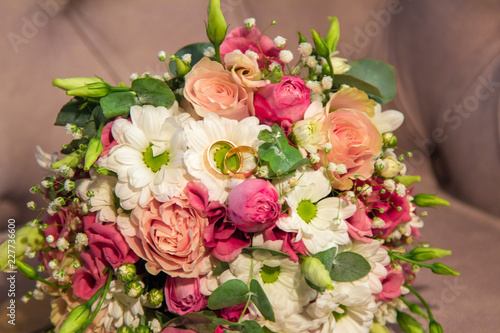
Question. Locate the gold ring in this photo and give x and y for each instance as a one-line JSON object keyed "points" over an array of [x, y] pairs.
{"points": [[239, 150], [211, 160]]}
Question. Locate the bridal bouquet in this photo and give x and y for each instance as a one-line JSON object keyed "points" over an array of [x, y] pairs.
{"points": [[240, 191]]}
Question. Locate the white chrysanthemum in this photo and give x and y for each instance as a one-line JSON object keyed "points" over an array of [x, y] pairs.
{"points": [[202, 134], [308, 135], [387, 121], [282, 281], [148, 157], [386, 311], [103, 199], [377, 257], [119, 308], [320, 223]]}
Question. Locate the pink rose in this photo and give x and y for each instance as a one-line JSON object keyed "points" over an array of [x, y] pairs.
{"points": [[355, 141], [88, 279], [107, 139], [288, 245], [183, 295], [360, 224], [252, 39], [287, 100], [226, 241], [169, 236], [391, 286], [210, 88], [253, 205], [198, 196], [108, 244]]}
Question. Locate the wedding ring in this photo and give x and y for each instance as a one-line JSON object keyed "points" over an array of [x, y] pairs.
{"points": [[210, 155], [240, 150]]}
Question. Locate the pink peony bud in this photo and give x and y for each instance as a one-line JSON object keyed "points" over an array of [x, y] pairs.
{"points": [[287, 100], [253, 205]]}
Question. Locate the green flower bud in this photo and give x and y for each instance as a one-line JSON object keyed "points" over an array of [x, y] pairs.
{"points": [[332, 37], [377, 328], [142, 329], [102, 171], [94, 150], [408, 323], [155, 297], [408, 180], [314, 271], [125, 329], [435, 327], [181, 67], [27, 270], [320, 45], [389, 140], [442, 269], [427, 253], [429, 200], [70, 160], [76, 319], [302, 39], [216, 26], [27, 236], [97, 89], [75, 82], [134, 289], [126, 272]]}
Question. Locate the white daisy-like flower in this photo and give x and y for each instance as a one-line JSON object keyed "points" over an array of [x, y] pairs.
{"points": [[282, 281], [308, 135], [386, 311], [103, 199], [319, 223], [119, 308], [148, 157], [200, 135], [377, 257]]}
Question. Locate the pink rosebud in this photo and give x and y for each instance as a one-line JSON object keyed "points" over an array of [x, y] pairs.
{"points": [[287, 100], [183, 295], [253, 205]]}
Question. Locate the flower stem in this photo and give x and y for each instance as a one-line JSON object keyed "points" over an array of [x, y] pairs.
{"points": [[424, 303]]}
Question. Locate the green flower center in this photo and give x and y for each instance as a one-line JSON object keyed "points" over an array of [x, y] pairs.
{"points": [[306, 210], [155, 162], [339, 316], [233, 163], [270, 274]]}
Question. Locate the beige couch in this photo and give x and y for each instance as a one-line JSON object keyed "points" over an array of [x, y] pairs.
{"points": [[447, 59]]}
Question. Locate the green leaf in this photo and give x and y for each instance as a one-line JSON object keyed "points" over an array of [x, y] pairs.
{"points": [[352, 81], [259, 298], [77, 111], [153, 91], [247, 326], [232, 292], [349, 266], [196, 51], [281, 156], [377, 73], [117, 104], [250, 250], [197, 321], [408, 324], [327, 257], [220, 268]]}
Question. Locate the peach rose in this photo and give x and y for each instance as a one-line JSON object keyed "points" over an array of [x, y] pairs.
{"points": [[210, 88], [355, 141], [244, 70], [169, 236]]}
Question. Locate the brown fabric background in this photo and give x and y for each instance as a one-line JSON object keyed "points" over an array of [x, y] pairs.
{"points": [[446, 55]]}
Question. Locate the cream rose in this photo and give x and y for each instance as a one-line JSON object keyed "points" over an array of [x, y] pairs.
{"points": [[169, 236], [244, 70], [210, 88]]}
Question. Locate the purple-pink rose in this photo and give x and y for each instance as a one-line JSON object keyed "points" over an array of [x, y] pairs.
{"points": [[108, 244], [253, 205], [287, 100], [183, 295], [88, 279]]}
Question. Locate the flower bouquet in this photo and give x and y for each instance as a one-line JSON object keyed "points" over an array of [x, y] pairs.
{"points": [[240, 191]]}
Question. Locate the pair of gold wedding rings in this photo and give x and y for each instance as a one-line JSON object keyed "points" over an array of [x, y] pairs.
{"points": [[239, 151]]}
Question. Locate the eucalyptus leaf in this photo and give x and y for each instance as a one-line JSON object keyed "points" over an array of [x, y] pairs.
{"points": [[247, 326], [197, 321], [232, 292], [117, 104], [378, 74], [153, 91], [355, 82], [220, 268], [327, 257], [250, 250], [259, 298], [349, 266], [196, 51], [76, 111]]}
